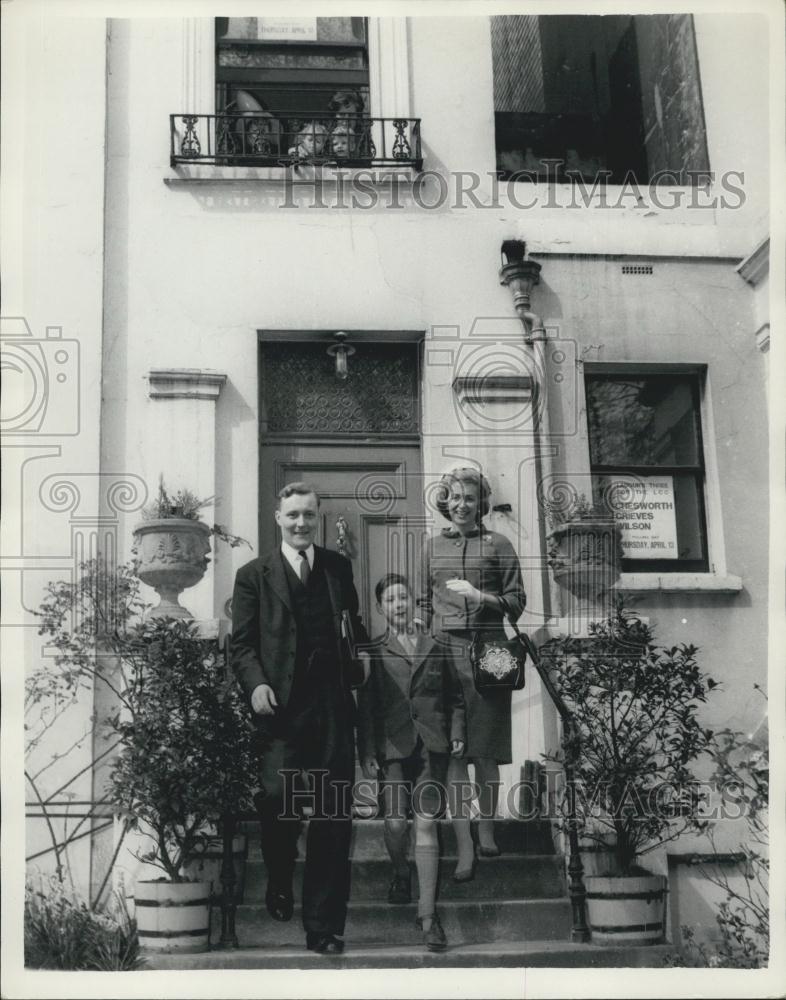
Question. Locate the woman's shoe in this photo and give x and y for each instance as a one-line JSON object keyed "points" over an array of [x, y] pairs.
{"points": [[465, 874], [434, 938], [489, 852]]}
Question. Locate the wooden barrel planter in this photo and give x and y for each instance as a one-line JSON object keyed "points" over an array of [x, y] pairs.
{"points": [[173, 916], [626, 910], [207, 867]]}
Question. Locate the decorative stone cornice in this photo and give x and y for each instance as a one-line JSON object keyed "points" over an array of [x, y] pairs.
{"points": [[185, 383], [481, 390], [756, 265]]}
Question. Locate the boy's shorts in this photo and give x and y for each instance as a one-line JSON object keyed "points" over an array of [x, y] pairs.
{"points": [[416, 784]]}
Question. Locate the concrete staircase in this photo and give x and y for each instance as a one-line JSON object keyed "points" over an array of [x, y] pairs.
{"points": [[515, 913]]}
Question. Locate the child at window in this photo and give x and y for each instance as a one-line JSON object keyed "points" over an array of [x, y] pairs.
{"points": [[309, 141], [411, 720], [341, 139]]}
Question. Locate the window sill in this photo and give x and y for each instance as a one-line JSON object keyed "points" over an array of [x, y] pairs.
{"points": [[307, 175], [679, 583]]}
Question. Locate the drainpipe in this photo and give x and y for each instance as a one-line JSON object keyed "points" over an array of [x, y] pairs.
{"points": [[520, 275]]}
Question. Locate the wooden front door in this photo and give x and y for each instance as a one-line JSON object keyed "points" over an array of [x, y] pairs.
{"points": [[358, 442]]}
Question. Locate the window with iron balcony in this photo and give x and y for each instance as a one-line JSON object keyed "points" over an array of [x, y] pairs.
{"points": [[291, 92]]}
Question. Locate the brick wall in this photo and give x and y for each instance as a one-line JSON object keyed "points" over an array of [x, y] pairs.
{"points": [[518, 70], [674, 130]]}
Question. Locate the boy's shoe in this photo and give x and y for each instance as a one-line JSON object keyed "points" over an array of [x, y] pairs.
{"points": [[434, 938], [400, 890]]}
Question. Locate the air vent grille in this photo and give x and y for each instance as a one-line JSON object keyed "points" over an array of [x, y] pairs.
{"points": [[637, 268]]}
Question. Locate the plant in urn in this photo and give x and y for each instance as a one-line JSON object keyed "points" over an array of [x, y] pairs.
{"points": [[172, 545]]}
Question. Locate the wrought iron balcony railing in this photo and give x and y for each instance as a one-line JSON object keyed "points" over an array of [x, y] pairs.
{"points": [[254, 138]]}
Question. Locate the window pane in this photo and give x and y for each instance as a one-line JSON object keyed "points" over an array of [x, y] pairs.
{"points": [[642, 421], [297, 65], [264, 57], [606, 96]]}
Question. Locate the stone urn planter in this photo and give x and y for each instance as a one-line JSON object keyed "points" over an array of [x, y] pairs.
{"points": [[584, 554], [170, 555]]}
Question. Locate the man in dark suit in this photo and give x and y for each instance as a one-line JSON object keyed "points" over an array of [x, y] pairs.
{"points": [[288, 654]]}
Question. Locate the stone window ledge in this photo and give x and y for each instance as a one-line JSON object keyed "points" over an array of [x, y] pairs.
{"points": [[679, 583], [376, 176]]}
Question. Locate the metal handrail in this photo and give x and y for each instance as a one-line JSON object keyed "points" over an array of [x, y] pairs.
{"points": [[292, 139], [576, 889]]}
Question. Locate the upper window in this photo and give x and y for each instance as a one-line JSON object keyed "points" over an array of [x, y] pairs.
{"points": [[293, 87], [647, 466], [613, 97]]}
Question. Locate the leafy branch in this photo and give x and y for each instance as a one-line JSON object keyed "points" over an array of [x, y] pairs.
{"points": [[636, 730]]}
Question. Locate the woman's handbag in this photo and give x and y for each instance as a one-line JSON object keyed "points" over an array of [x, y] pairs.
{"points": [[498, 664]]}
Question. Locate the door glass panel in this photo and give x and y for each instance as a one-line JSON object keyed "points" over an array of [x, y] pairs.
{"points": [[301, 393]]}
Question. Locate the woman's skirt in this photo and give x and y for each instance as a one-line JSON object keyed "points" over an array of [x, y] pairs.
{"points": [[488, 715]]}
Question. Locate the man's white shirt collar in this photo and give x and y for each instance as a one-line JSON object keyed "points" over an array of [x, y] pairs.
{"points": [[292, 556]]}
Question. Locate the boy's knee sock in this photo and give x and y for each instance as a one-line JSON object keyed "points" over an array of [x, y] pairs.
{"points": [[397, 843], [427, 864]]}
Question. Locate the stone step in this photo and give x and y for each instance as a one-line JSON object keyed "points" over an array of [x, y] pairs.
{"points": [[513, 836], [370, 923], [501, 954], [532, 876]]}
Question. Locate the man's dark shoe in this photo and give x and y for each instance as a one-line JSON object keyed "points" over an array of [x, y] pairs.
{"points": [[324, 944], [400, 890], [280, 904], [434, 938]]}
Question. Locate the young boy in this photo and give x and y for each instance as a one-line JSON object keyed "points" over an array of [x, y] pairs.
{"points": [[309, 141], [411, 720]]}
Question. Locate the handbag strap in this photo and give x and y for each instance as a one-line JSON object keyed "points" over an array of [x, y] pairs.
{"points": [[524, 639]]}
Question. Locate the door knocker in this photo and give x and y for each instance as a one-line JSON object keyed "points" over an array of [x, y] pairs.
{"points": [[342, 537]]}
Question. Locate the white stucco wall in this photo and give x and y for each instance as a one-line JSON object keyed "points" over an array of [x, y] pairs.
{"points": [[53, 210]]}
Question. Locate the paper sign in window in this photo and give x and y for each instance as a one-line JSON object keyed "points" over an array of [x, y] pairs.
{"points": [[287, 29], [645, 512]]}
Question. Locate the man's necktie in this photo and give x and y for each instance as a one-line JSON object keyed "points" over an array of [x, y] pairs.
{"points": [[305, 571]]}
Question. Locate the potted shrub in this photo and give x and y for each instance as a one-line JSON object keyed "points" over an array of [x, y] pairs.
{"points": [[584, 550], [183, 742], [171, 547], [636, 731]]}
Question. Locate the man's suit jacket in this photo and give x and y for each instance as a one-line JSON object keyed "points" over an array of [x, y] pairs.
{"points": [[405, 698], [264, 631]]}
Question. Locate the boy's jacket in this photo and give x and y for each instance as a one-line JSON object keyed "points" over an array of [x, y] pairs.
{"points": [[405, 698]]}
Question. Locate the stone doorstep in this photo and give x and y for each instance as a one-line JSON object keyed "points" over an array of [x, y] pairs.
{"points": [[531, 876], [512, 836], [466, 922], [499, 954]]}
